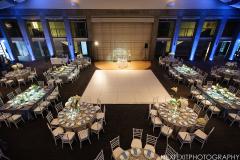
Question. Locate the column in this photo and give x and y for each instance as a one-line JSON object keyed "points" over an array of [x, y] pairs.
{"points": [[90, 37], [217, 37], [8, 42], [197, 35], [235, 43], [175, 36], [48, 36], [152, 46], [69, 38], [26, 37]]}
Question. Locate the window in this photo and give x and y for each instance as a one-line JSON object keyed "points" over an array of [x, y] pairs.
{"points": [[209, 28], [57, 29], [12, 28], [166, 28], [78, 28], [35, 29], [3, 50], [230, 28], [187, 29]]}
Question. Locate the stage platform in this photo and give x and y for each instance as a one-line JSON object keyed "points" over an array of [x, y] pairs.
{"points": [[124, 87], [133, 65]]}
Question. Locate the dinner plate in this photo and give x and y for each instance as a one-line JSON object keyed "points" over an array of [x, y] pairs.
{"points": [[124, 155], [135, 152], [148, 154]]}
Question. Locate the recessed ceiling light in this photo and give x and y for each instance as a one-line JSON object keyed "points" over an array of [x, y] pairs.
{"points": [[75, 3], [171, 3]]}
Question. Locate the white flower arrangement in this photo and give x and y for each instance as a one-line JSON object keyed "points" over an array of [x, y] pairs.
{"points": [[17, 66]]}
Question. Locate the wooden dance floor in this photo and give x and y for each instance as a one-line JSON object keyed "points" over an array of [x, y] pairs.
{"points": [[133, 65], [124, 87]]}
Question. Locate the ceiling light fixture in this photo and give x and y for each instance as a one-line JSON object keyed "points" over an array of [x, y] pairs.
{"points": [[75, 3], [171, 3]]}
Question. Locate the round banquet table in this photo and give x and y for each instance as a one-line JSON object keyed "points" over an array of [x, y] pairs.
{"points": [[79, 118], [24, 73], [138, 154], [183, 118]]}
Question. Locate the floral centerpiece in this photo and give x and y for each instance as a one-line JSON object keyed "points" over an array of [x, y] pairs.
{"points": [[75, 102], [175, 104], [17, 66]]}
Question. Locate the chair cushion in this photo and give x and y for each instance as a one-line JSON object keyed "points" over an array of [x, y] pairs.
{"points": [[156, 120], [5, 116], [68, 136], [9, 81], [150, 147], [52, 97], [153, 112], [57, 131], [58, 81], [206, 102], [200, 97], [194, 92], [136, 143], [214, 109], [39, 109], [15, 117], [117, 152], [100, 115], [21, 80], [54, 122], [83, 134], [45, 104], [97, 108], [182, 135], [233, 116], [200, 134], [166, 130], [96, 126]]}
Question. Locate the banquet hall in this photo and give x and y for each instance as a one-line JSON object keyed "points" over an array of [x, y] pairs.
{"points": [[119, 80]]}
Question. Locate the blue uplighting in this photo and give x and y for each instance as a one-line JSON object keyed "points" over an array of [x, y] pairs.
{"points": [[235, 47]]}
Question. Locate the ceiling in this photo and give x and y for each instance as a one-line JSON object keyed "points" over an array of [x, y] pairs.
{"points": [[122, 4]]}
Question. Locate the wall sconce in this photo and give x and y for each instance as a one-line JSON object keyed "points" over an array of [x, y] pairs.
{"points": [[96, 43]]}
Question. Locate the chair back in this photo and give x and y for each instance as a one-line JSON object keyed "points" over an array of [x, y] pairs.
{"points": [[115, 143], [59, 107], [209, 84], [155, 100], [1, 102], [151, 140], [197, 109], [41, 83], [10, 95], [193, 88], [137, 133], [4, 72], [170, 153], [99, 103], [18, 90], [238, 93], [210, 132], [100, 156], [49, 117], [50, 83], [206, 118], [232, 89], [104, 110], [49, 127]]}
